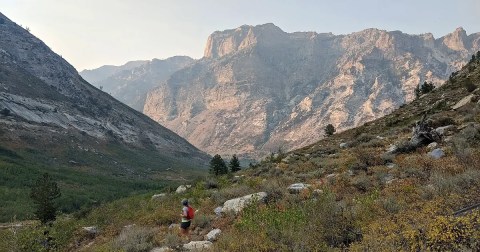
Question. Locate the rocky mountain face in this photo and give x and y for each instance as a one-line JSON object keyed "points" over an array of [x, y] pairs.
{"points": [[259, 89], [47, 106], [130, 85]]}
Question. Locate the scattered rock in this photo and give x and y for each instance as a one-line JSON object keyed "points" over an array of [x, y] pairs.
{"points": [[332, 175], [432, 146], [389, 179], [463, 102], [158, 196], [343, 145], [174, 226], [129, 226], [238, 204], [317, 191], [213, 235], [390, 165], [381, 138], [181, 189], [443, 130], [436, 153], [162, 249], [93, 230], [218, 211], [197, 245], [297, 187], [392, 148]]}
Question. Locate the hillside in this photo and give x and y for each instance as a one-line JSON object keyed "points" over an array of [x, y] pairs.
{"points": [[53, 120], [130, 83], [259, 89], [353, 192]]}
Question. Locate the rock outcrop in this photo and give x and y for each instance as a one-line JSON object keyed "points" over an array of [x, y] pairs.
{"points": [[259, 89]]}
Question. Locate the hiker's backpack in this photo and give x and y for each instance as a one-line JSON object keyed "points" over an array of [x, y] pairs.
{"points": [[190, 213]]}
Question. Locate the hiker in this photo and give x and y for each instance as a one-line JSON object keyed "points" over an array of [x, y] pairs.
{"points": [[187, 215]]}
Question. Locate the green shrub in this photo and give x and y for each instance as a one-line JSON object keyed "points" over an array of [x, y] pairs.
{"points": [[134, 239], [469, 86]]}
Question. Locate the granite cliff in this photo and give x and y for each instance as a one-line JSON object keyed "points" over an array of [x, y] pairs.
{"points": [[258, 88]]}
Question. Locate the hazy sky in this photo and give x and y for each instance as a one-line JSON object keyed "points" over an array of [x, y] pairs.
{"points": [[91, 33]]}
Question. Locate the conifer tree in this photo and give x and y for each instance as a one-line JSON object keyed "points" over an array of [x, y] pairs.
{"points": [[43, 194], [234, 164], [218, 166], [329, 130]]}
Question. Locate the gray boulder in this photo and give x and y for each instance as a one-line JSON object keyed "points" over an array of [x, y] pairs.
{"points": [[213, 235], [463, 102], [238, 204], [443, 130], [432, 146], [161, 249], [297, 187], [436, 153], [343, 145], [158, 196], [197, 246], [182, 188]]}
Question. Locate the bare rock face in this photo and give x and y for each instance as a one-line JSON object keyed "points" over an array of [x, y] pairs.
{"points": [[49, 104], [131, 82], [259, 89]]}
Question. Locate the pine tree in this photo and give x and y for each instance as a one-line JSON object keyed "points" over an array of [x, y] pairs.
{"points": [[43, 194], [234, 164], [329, 130], [218, 166], [427, 87]]}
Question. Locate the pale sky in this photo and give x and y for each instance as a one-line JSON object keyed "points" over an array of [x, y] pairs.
{"points": [[92, 33]]}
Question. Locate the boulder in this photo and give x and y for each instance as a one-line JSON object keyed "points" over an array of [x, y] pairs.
{"points": [[238, 204], [181, 189], [343, 145], [463, 102], [436, 153], [197, 245], [443, 130], [213, 235], [158, 196], [161, 249], [432, 146], [297, 187]]}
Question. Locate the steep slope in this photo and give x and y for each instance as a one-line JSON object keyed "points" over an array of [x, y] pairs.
{"points": [[131, 86], [103, 72], [53, 120], [259, 89]]}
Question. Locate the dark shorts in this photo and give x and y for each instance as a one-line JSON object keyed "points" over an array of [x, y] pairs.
{"points": [[185, 225]]}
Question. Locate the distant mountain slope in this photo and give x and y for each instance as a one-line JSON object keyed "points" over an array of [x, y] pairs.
{"points": [[53, 120], [259, 89], [103, 72], [131, 86]]}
